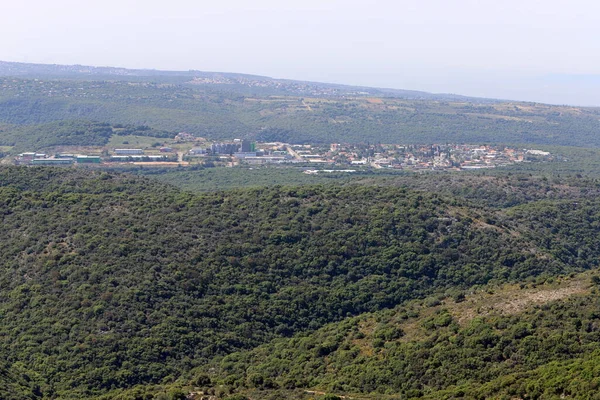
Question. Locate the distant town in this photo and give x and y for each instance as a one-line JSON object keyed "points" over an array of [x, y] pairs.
{"points": [[187, 149]]}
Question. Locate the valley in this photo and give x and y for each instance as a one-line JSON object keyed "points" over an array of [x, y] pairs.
{"points": [[216, 236]]}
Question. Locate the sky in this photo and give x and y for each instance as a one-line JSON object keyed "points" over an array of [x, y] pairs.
{"points": [[533, 50]]}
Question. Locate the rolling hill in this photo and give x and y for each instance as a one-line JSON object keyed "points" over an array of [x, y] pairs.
{"points": [[223, 106], [114, 285], [534, 340], [259, 83], [372, 286]]}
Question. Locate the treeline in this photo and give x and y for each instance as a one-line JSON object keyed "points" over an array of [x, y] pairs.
{"points": [[70, 133], [497, 189], [203, 179]]}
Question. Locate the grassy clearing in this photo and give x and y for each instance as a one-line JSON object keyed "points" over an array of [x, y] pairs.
{"points": [[502, 300], [133, 141]]}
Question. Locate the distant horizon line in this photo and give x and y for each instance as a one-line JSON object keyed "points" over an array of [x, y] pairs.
{"points": [[349, 85]]}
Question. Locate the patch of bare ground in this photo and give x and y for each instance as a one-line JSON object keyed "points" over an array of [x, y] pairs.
{"points": [[513, 300], [501, 300], [322, 393], [366, 328]]}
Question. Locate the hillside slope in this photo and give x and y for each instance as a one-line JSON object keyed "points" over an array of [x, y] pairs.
{"points": [[68, 133], [110, 281], [536, 340], [224, 111]]}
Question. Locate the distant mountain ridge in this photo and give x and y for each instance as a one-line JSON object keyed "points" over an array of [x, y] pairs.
{"points": [[221, 106], [29, 70]]}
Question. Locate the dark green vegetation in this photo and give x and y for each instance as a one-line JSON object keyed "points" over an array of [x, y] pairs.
{"points": [[440, 348], [110, 281], [198, 179], [496, 190], [490, 188], [69, 133], [221, 111]]}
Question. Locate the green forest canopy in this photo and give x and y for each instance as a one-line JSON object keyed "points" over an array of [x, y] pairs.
{"points": [[111, 281]]}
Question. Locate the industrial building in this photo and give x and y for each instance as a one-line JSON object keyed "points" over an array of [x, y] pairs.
{"points": [[248, 146], [52, 161], [128, 151], [225, 148], [88, 159], [198, 151]]}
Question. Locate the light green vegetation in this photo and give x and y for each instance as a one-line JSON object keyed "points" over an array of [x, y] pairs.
{"points": [[70, 133], [131, 141], [570, 161]]}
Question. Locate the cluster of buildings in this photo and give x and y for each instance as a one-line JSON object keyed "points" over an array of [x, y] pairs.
{"points": [[293, 87], [125, 155], [238, 151], [244, 152], [118, 155], [235, 147], [439, 157], [241, 151], [57, 159], [410, 157]]}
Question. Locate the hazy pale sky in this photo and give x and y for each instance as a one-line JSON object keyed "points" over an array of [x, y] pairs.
{"points": [[534, 50]]}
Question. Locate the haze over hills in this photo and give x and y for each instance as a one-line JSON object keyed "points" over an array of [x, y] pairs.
{"points": [[375, 286], [27, 70], [354, 215], [222, 106]]}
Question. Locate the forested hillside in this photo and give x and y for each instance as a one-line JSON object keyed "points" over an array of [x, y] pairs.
{"points": [[224, 111], [69, 133], [266, 283], [537, 340], [490, 188], [111, 281]]}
